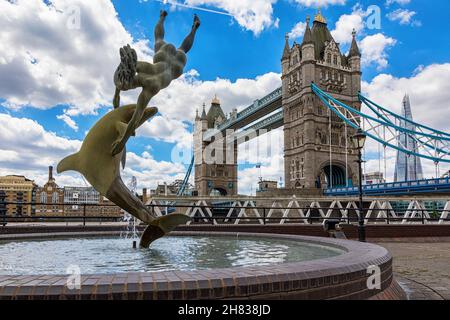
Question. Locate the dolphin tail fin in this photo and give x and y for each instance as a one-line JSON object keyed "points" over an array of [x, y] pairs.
{"points": [[148, 113], [170, 222], [162, 226], [69, 163]]}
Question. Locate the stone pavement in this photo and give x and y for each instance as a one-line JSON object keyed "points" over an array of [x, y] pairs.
{"points": [[423, 269]]}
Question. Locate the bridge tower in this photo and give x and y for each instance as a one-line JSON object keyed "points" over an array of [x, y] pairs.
{"points": [[317, 144], [215, 173]]}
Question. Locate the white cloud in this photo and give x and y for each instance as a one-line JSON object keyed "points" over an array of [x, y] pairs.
{"points": [[373, 50], [248, 178], [373, 47], [298, 30], [345, 25], [167, 130], [404, 17], [149, 172], [69, 121], [255, 16], [26, 148], [44, 63], [266, 150], [186, 94], [429, 92]]}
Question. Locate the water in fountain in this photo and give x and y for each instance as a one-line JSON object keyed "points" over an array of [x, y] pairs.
{"points": [[131, 231]]}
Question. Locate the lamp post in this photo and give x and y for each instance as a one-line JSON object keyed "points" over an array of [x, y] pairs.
{"points": [[359, 139]]}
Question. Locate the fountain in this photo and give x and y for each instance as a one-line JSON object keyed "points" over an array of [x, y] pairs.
{"points": [[190, 266], [184, 265]]}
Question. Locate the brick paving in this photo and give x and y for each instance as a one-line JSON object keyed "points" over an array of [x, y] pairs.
{"points": [[423, 268]]}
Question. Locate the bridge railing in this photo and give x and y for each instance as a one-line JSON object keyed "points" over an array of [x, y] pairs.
{"points": [[315, 211], [294, 211], [264, 218], [424, 184], [257, 105]]}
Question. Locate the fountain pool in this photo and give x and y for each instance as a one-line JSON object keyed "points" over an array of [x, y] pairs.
{"points": [[113, 255]]}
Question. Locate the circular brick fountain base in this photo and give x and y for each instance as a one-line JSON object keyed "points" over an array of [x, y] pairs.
{"points": [[351, 275]]}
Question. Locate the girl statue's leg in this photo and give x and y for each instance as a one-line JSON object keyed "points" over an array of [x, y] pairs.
{"points": [[159, 31], [189, 41]]}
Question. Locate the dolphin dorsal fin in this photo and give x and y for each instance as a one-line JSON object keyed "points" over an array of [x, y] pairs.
{"points": [[69, 163], [124, 157]]}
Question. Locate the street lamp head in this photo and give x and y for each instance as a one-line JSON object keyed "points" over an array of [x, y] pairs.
{"points": [[359, 139]]}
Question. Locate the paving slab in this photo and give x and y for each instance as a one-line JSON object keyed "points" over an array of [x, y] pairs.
{"points": [[422, 267]]}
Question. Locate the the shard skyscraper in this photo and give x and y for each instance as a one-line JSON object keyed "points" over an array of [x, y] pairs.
{"points": [[407, 167]]}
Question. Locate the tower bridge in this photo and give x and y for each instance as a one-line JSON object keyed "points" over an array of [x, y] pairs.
{"points": [[319, 105]]}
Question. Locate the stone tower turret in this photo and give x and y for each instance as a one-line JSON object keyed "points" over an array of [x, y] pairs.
{"points": [[308, 53], [354, 61], [215, 160]]}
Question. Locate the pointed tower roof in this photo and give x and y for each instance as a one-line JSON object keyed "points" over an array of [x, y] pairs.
{"points": [[215, 112], [320, 35], [197, 117], [354, 49], [204, 116], [287, 49], [307, 38]]}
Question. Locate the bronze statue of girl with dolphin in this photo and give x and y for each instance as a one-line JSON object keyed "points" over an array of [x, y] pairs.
{"points": [[103, 149]]}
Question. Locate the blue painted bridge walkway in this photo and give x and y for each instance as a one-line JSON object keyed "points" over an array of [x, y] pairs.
{"points": [[435, 186]]}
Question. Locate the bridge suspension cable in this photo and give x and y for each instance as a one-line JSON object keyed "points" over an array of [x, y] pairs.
{"points": [[386, 127], [185, 183]]}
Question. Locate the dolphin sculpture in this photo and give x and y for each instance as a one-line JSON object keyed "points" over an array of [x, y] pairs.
{"points": [[102, 170]]}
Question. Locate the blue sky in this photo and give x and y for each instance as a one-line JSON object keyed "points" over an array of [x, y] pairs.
{"points": [[56, 83], [225, 49]]}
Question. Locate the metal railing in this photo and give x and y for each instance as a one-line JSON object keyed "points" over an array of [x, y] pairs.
{"points": [[244, 114], [352, 214], [230, 214], [84, 213]]}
